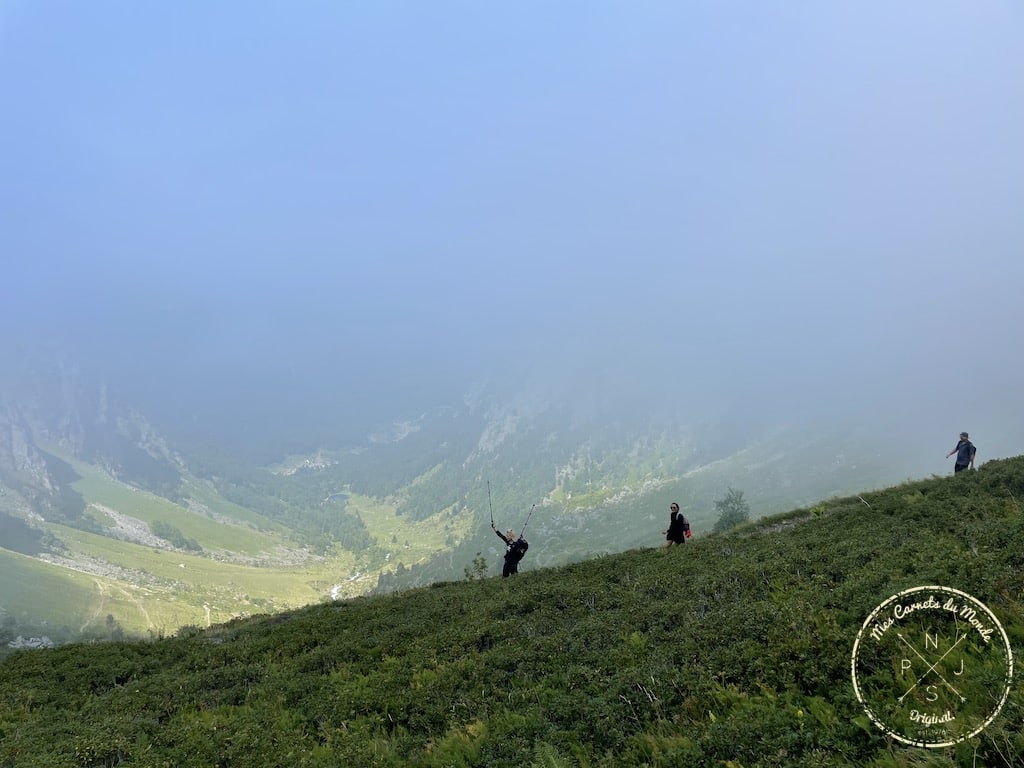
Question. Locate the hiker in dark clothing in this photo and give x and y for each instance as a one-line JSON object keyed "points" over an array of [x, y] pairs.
{"points": [[964, 451], [514, 551], [678, 526]]}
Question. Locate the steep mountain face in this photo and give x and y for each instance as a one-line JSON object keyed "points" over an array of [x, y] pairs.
{"points": [[20, 459], [26, 487], [51, 403]]}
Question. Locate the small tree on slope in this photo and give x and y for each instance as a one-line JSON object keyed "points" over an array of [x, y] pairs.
{"points": [[732, 510]]}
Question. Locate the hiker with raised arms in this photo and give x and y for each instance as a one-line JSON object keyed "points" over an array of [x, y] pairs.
{"points": [[515, 548]]}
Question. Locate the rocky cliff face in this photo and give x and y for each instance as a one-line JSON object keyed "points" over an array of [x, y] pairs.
{"points": [[28, 490], [48, 405], [20, 459]]}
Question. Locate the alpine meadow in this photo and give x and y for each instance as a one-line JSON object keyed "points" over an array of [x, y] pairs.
{"points": [[732, 650]]}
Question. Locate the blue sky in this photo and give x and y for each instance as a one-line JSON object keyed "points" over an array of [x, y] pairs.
{"points": [[800, 202]]}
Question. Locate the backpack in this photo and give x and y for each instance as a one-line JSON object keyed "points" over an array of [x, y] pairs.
{"points": [[517, 549]]}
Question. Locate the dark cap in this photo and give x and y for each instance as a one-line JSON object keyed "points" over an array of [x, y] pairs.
{"points": [[963, 434]]}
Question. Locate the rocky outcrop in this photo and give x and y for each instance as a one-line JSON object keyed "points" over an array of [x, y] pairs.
{"points": [[20, 459], [49, 401]]}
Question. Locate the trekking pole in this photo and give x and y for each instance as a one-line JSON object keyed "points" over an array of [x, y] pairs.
{"points": [[523, 532], [489, 502]]}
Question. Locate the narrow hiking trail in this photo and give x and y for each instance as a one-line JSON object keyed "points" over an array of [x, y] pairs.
{"points": [[101, 589], [99, 608]]}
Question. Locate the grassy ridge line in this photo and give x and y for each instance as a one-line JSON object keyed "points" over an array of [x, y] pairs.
{"points": [[731, 651]]}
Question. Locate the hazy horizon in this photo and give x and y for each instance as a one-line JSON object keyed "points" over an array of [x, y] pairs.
{"points": [[318, 214]]}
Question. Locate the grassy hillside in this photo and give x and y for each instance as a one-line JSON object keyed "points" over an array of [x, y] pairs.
{"points": [[734, 650], [582, 505], [96, 581], [53, 593]]}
